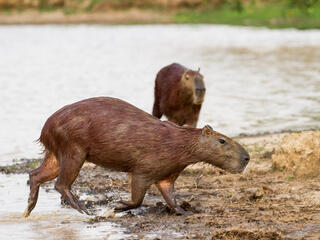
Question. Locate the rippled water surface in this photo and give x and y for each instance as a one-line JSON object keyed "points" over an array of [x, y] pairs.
{"points": [[257, 79], [48, 220]]}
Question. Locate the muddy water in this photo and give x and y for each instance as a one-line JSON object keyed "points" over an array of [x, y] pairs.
{"points": [[257, 79], [48, 220]]}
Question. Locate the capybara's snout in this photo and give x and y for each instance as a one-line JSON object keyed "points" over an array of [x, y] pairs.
{"points": [[200, 91], [199, 88], [244, 160]]}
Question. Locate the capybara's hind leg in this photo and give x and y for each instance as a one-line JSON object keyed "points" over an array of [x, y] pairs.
{"points": [[139, 186], [166, 187], [70, 166], [47, 171]]}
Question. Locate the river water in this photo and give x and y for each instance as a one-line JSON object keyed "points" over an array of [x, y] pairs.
{"points": [[48, 220], [257, 79]]}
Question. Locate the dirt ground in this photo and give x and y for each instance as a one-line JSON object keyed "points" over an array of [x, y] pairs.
{"points": [[261, 203], [131, 16]]}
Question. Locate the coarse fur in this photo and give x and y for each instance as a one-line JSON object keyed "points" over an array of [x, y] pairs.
{"points": [[178, 94], [116, 135]]}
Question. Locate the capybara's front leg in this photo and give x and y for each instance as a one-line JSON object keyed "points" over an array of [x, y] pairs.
{"points": [[139, 186], [47, 171], [166, 187], [69, 169]]}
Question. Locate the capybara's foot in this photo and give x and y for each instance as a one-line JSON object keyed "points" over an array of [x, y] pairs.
{"points": [[26, 213], [126, 206], [73, 201], [81, 208]]}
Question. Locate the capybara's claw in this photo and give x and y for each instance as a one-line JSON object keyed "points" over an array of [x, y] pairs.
{"points": [[81, 209], [85, 211]]}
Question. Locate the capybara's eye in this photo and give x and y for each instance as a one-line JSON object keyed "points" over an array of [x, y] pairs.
{"points": [[222, 141]]}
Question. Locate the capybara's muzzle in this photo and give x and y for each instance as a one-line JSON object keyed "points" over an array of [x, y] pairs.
{"points": [[244, 160]]}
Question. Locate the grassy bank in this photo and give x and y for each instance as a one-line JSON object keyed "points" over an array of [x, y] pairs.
{"points": [[280, 14]]}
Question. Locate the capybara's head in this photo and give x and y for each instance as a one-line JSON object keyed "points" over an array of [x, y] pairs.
{"points": [[222, 151], [193, 81]]}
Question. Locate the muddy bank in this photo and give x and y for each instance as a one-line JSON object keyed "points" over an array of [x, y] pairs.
{"points": [[261, 203]]}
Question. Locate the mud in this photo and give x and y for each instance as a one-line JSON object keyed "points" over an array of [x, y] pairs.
{"points": [[299, 153], [261, 203]]}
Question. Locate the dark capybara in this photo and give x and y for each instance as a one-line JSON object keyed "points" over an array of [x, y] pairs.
{"points": [[116, 135], [178, 94]]}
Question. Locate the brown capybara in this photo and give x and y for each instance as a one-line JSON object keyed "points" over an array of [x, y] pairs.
{"points": [[178, 94], [116, 135]]}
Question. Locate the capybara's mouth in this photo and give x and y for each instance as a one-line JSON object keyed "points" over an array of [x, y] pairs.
{"points": [[198, 101], [240, 170]]}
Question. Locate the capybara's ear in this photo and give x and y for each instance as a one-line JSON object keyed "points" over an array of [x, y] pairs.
{"points": [[207, 131]]}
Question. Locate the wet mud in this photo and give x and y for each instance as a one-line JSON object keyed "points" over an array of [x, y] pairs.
{"points": [[261, 203]]}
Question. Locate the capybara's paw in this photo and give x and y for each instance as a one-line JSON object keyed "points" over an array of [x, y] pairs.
{"points": [[122, 206]]}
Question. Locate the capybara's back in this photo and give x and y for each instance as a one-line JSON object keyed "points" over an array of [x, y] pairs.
{"points": [[179, 93], [100, 127]]}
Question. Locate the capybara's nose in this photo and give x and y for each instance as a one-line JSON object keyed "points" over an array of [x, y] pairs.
{"points": [[200, 90], [245, 157]]}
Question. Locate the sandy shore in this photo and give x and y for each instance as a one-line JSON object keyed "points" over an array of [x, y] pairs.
{"points": [[132, 16]]}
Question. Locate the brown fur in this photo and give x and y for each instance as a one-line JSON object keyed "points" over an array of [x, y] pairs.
{"points": [[116, 135], [179, 94]]}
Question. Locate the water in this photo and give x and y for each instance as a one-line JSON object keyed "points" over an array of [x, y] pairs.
{"points": [[48, 220], [257, 79]]}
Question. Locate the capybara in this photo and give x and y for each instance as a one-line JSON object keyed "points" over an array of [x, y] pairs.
{"points": [[116, 135], [178, 94]]}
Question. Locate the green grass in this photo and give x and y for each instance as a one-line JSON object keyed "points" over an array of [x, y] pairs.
{"points": [[273, 15]]}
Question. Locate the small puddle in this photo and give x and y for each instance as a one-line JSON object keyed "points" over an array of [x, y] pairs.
{"points": [[48, 220]]}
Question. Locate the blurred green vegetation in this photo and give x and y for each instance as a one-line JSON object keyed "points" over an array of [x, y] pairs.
{"points": [[301, 14]]}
